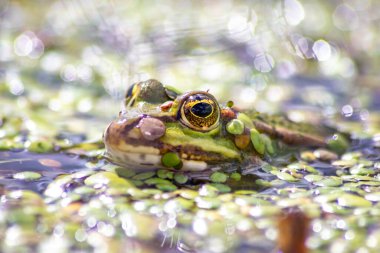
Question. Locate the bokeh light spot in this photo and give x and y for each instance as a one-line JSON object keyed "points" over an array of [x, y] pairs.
{"points": [[263, 62], [322, 50], [294, 12]]}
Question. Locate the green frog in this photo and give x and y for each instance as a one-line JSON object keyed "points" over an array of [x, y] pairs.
{"points": [[160, 127]]}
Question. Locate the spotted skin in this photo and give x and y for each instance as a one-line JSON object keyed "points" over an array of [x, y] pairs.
{"points": [[192, 125]]}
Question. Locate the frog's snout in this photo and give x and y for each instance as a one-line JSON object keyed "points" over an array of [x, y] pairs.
{"points": [[141, 130], [134, 143]]}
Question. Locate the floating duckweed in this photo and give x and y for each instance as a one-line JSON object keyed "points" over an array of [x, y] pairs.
{"points": [[152, 191], [103, 177], [328, 196], [137, 193], [334, 209], [82, 174], [123, 172], [344, 163], [6, 144], [257, 141], [302, 166], [235, 126], [329, 181], [277, 182], [27, 175], [165, 174], [284, 176], [268, 144], [235, 176], [287, 202], [144, 175], [226, 196], [228, 208], [181, 178], [294, 173], [208, 190], [177, 205], [310, 169], [367, 183], [308, 156], [143, 205], [245, 192], [21, 218], [338, 143], [263, 183], [137, 183], [313, 178], [84, 190], [222, 188], [268, 168], [366, 163], [166, 187], [39, 146], [208, 202], [188, 194], [246, 120], [346, 188], [360, 170], [120, 182], [171, 160], [300, 194], [350, 200], [156, 180], [244, 200], [352, 155], [218, 177], [260, 211], [25, 195]]}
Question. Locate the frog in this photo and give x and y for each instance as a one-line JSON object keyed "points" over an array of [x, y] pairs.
{"points": [[160, 127]]}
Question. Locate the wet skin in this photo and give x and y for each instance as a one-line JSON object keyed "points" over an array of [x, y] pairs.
{"points": [[161, 128]]}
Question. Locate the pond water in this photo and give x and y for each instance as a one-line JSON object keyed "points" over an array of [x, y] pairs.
{"points": [[65, 67]]}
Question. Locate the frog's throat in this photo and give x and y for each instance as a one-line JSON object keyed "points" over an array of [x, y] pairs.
{"points": [[142, 157]]}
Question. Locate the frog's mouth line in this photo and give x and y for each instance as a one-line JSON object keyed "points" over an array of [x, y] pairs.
{"points": [[142, 157]]}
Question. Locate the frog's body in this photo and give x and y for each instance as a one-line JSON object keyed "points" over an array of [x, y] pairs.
{"points": [[195, 131]]}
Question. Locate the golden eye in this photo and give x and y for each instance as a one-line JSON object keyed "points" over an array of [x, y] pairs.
{"points": [[200, 111]]}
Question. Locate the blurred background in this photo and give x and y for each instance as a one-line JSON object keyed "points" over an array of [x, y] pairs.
{"points": [[65, 66], [77, 58]]}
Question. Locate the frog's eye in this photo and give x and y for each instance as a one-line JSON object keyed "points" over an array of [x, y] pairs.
{"points": [[200, 111]]}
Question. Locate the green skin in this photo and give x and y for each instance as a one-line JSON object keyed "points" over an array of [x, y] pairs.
{"points": [[183, 148]]}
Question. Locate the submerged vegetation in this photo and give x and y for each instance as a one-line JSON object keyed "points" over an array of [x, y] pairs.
{"points": [[65, 67]]}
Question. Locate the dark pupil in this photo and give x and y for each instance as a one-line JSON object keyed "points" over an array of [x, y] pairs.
{"points": [[201, 109]]}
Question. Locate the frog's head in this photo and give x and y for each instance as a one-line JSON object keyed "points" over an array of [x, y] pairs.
{"points": [[161, 128]]}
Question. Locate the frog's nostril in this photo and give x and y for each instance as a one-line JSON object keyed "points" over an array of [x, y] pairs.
{"points": [[151, 128]]}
